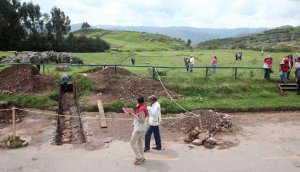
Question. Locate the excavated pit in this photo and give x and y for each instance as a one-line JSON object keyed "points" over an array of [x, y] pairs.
{"points": [[69, 127]]}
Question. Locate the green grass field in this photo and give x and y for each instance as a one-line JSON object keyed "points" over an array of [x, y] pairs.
{"points": [[249, 91]]}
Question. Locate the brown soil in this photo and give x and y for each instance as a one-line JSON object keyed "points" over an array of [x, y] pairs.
{"points": [[111, 89], [119, 129], [6, 116], [24, 79]]}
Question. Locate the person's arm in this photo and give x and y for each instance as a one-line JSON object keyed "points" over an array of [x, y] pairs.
{"points": [[140, 116]]}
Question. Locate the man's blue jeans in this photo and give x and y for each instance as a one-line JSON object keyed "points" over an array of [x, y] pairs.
{"points": [[284, 77], [191, 67], [155, 130], [296, 72]]}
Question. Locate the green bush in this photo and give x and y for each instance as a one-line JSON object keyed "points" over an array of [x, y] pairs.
{"points": [[91, 108], [28, 101], [54, 96], [84, 84]]}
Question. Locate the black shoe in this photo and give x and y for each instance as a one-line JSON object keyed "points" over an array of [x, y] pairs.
{"points": [[156, 148], [146, 150]]}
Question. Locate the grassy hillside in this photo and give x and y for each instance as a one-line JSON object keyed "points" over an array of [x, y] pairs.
{"points": [[135, 41], [276, 40]]}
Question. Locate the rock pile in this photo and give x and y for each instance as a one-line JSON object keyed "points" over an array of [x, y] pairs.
{"points": [[7, 141], [44, 57], [199, 137], [190, 124], [212, 121]]}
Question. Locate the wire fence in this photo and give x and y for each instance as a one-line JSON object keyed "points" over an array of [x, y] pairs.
{"points": [[149, 70]]}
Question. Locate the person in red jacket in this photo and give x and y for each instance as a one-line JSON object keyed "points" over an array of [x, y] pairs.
{"points": [[139, 127], [284, 68]]}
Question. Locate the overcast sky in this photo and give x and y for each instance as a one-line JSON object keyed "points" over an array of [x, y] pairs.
{"points": [[195, 13]]}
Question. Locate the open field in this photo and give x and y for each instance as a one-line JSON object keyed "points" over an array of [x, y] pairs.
{"points": [[248, 91]]}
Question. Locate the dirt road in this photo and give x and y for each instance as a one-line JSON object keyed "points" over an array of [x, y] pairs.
{"points": [[265, 142]]}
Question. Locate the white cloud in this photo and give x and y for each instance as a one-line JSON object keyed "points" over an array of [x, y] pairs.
{"points": [[197, 13]]}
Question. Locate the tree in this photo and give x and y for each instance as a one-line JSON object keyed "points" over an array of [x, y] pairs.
{"points": [[188, 42], [34, 22], [11, 31], [58, 25], [85, 26]]}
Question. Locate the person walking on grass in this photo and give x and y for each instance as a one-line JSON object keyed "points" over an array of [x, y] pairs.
{"points": [[154, 120], [133, 61], [214, 65], [139, 126]]}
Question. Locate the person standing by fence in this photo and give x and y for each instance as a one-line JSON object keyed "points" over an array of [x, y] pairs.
{"points": [[214, 65], [298, 84], [192, 63], [267, 67], [297, 65], [284, 68], [186, 63]]}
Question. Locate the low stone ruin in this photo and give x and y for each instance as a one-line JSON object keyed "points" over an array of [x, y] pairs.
{"points": [[44, 57]]}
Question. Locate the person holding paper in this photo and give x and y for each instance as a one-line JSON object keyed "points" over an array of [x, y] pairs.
{"points": [[154, 120], [139, 126]]}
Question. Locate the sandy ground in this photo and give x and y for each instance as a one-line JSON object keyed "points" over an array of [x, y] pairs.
{"points": [[260, 142]]}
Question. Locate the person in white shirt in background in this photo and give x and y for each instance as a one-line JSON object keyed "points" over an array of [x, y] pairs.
{"points": [[192, 63], [154, 120]]}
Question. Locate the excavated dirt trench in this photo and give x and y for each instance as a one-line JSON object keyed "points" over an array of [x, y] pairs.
{"points": [[69, 127]]}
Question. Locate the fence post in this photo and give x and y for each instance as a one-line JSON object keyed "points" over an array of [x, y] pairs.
{"points": [[235, 72], [115, 69], [43, 69], [153, 72], [206, 71], [14, 122]]}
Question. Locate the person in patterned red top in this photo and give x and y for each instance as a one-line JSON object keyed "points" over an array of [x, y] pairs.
{"points": [[139, 126]]}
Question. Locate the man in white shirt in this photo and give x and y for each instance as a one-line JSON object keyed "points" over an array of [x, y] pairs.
{"points": [[192, 63], [154, 120]]}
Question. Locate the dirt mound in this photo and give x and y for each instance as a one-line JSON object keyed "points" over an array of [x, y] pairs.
{"points": [[24, 79], [126, 88], [6, 116], [212, 121], [110, 71], [132, 88]]}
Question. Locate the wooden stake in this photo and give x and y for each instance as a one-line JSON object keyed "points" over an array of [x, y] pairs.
{"points": [[14, 122]]}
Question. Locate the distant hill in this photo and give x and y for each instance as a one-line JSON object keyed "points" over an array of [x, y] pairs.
{"points": [[195, 34], [285, 38], [134, 41]]}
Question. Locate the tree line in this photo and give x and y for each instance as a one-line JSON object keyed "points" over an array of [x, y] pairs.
{"points": [[24, 27]]}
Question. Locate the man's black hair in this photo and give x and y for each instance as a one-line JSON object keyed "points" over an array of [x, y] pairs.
{"points": [[141, 99]]}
